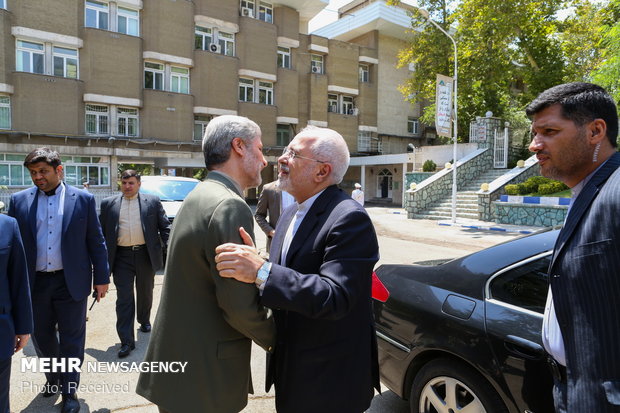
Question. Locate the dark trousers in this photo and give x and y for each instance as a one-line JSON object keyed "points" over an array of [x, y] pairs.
{"points": [[5, 378], [129, 266], [52, 306]]}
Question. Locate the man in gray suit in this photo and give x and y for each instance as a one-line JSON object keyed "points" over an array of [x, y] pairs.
{"points": [[272, 201], [204, 319], [574, 129], [136, 231]]}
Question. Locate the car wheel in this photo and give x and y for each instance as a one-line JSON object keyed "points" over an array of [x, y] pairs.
{"points": [[447, 386]]}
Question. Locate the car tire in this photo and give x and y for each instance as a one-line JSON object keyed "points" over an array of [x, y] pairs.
{"points": [[445, 385]]}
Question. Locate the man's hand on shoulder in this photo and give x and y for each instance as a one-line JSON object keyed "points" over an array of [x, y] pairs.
{"points": [[237, 261]]}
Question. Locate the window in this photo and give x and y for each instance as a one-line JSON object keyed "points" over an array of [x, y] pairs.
{"points": [[5, 112], [200, 124], [332, 103], [153, 76], [97, 119], [413, 126], [128, 21], [227, 43], [265, 92], [364, 74], [127, 119], [65, 62], [93, 169], [204, 37], [246, 90], [77, 169], [284, 57], [119, 19], [179, 79], [366, 143], [525, 286], [30, 57], [2, 4], [316, 63], [265, 12], [97, 15], [283, 135], [247, 8], [347, 105]]}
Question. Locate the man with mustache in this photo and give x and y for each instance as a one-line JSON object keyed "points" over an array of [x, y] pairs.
{"points": [[574, 132]]}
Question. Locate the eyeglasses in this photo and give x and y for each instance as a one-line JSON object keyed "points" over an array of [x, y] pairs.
{"points": [[291, 154]]}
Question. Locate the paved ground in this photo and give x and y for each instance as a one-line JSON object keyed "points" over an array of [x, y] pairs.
{"points": [[401, 241]]}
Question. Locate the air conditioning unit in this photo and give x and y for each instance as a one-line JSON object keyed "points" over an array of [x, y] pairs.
{"points": [[354, 111], [316, 69], [215, 48], [247, 12]]}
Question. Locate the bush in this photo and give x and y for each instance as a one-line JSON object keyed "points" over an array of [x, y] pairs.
{"points": [[546, 189], [512, 189], [429, 166]]}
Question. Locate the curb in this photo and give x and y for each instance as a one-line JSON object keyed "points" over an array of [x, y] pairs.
{"points": [[487, 228]]}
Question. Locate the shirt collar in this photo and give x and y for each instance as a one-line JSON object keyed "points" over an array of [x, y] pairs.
{"points": [[307, 204], [131, 198], [59, 189], [576, 190]]}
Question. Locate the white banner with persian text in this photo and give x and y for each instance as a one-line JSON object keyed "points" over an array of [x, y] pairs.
{"points": [[443, 106]]}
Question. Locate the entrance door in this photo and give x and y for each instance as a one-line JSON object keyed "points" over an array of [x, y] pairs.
{"points": [[501, 149], [384, 184]]}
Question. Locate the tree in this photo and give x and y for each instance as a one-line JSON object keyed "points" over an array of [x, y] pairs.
{"points": [[608, 73], [508, 52]]}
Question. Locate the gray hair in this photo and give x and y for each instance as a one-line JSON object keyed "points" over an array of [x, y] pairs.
{"points": [[220, 132], [329, 147]]}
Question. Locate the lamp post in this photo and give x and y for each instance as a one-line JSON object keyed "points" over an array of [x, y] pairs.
{"points": [[427, 16]]}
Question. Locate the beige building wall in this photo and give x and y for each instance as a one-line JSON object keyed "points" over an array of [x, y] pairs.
{"points": [[167, 27], [111, 64], [167, 116], [287, 93], [392, 108], [215, 80], [256, 46], [265, 117], [286, 21], [342, 64], [7, 48], [226, 10], [54, 16], [47, 104]]}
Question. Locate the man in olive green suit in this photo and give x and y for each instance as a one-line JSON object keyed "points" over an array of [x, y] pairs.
{"points": [[203, 319]]}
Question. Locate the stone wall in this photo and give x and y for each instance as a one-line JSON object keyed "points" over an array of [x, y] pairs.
{"points": [[529, 214], [440, 184], [416, 177], [517, 175]]}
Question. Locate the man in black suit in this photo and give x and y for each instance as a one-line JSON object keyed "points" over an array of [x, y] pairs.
{"points": [[574, 129], [136, 231], [272, 201], [16, 314], [67, 259], [318, 283]]}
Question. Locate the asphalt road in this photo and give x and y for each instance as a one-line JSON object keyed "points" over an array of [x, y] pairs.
{"points": [[400, 240]]}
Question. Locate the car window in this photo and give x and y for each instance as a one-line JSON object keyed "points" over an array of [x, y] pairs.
{"points": [[168, 190], [523, 286]]}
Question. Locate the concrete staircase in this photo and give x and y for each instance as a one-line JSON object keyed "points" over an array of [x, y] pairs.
{"points": [[466, 199]]}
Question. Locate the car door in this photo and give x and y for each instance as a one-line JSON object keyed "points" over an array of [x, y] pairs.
{"points": [[514, 306]]}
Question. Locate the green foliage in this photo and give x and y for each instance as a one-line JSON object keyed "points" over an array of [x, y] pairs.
{"points": [[508, 52], [512, 189], [536, 185], [201, 174], [429, 166], [608, 73]]}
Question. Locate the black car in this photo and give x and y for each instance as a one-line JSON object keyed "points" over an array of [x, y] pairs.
{"points": [[465, 335]]}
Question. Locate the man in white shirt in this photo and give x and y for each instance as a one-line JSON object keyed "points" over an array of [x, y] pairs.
{"points": [[358, 194]]}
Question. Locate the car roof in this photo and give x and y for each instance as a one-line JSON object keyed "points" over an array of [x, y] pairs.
{"points": [[167, 178]]}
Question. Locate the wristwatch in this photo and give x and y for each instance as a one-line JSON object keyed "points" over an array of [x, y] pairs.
{"points": [[263, 274]]}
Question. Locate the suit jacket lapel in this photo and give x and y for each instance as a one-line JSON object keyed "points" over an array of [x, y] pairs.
{"points": [[70, 199], [33, 204], [583, 201], [115, 213], [144, 209]]}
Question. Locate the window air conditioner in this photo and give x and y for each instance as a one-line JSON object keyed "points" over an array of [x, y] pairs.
{"points": [[215, 48], [247, 12], [354, 112], [316, 69]]}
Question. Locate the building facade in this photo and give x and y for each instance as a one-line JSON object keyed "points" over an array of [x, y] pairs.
{"points": [[130, 81]]}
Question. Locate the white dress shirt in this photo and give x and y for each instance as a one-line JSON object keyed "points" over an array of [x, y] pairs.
{"points": [[302, 210], [130, 223], [50, 212], [551, 334]]}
